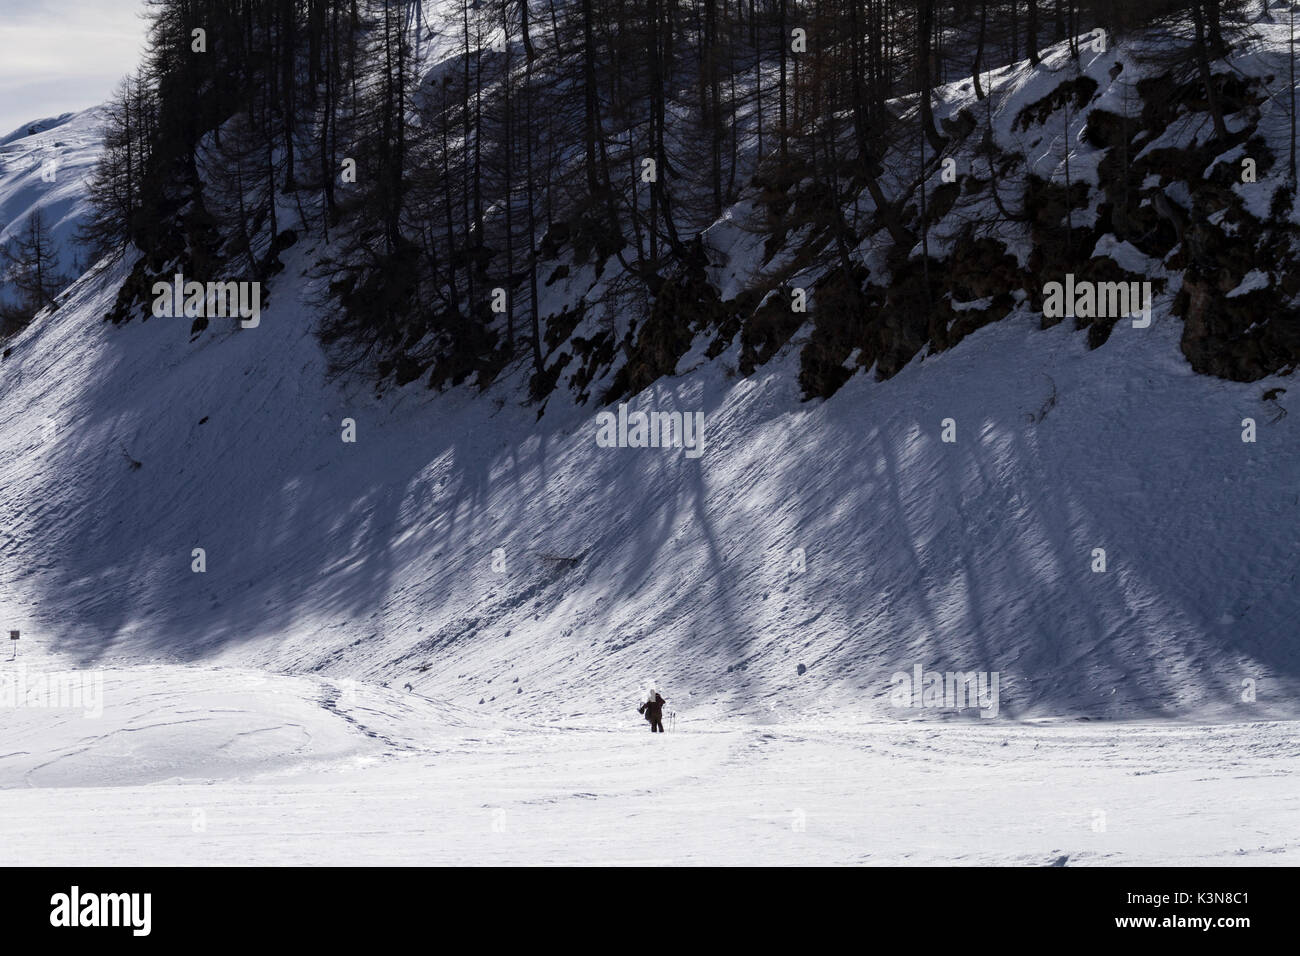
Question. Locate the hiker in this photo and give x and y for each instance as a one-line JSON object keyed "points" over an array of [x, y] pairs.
{"points": [[653, 709]]}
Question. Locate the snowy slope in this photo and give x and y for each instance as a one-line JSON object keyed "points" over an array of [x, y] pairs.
{"points": [[35, 126], [481, 554], [44, 165], [426, 646], [374, 560]]}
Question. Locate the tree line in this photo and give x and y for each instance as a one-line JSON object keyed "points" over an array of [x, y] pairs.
{"points": [[443, 158]]}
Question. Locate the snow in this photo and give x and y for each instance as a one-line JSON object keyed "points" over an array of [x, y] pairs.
{"points": [[1253, 281], [44, 165], [198, 765], [1128, 257], [526, 584], [35, 126], [371, 560], [978, 305]]}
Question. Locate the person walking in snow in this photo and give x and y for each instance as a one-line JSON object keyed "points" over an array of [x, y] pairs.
{"points": [[653, 709]]}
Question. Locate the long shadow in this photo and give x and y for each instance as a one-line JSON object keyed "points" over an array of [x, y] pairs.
{"points": [[169, 449]]}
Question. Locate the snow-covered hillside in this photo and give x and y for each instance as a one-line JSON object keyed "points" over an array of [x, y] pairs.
{"points": [[479, 552], [476, 592], [375, 560], [44, 165]]}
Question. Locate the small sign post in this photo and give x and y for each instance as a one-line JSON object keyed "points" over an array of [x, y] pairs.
{"points": [[13, 637]]}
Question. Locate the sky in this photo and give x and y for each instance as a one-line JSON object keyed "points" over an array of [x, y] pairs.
{"points": [[57, 56]]}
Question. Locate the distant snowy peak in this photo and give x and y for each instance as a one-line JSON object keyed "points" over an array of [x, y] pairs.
{"points": [[36, 126]]}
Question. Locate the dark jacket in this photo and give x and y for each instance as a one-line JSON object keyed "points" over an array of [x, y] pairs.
{"points": [[653, 709]]}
